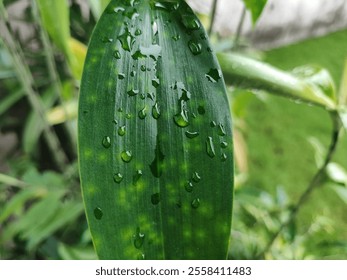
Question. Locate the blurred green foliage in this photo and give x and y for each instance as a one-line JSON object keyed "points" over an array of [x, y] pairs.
{"points": [[279, 145]]}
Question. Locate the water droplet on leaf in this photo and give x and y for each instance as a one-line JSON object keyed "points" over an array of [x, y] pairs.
{"points": [[195, 203], [189, 187], [133, 92], [133, 73], [106, 142], [196, 177], [224, 157], [138, 32], [127, 40], [221, 130], [224, 144], [143, 113], [210, 147], [214, 75], [155, 82], [118, 9], [137, 177], [118, 178], [126, 156], [150, 95], [176, 37], [138, 238], [156, 111], [121, 76], [192, 135], [194, 47], [203, 36], [117, 54], [190, 22], [181, 119], [106, 40], [157, 164], [98, 213], [121, 130]]}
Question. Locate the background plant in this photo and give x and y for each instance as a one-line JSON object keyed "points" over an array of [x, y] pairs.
{"points": [[280, 144]]}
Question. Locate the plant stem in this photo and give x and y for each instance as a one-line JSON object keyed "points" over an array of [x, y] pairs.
{"points": [[239, 28], [51, 65], [27, 81], [314, 184], [213, 16]]}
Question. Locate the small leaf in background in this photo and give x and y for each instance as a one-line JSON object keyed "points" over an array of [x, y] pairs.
{"points": [[33, 125], [256, 7], [61, 114], [66, 214], [78, 51], [55, 17], [337, 173], [319, 150], [318, 77], [343, 87], [17, 202], [34, 216], [8, 101]]}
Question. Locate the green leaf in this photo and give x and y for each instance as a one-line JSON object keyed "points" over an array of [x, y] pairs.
{"points": [[155, 142], [39, 213], [256, 7], [55, 18], [34, 127], [67, 214], [7, 102], [248, 73], [56, 21], [18, 201]]}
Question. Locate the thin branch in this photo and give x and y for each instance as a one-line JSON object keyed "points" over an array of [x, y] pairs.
{"points": [[239, 28], [27, 81], [51, 65], [314, 184], [213, 16]]}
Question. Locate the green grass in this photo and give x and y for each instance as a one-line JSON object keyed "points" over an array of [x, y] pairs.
{"points": [[279, 152]]}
